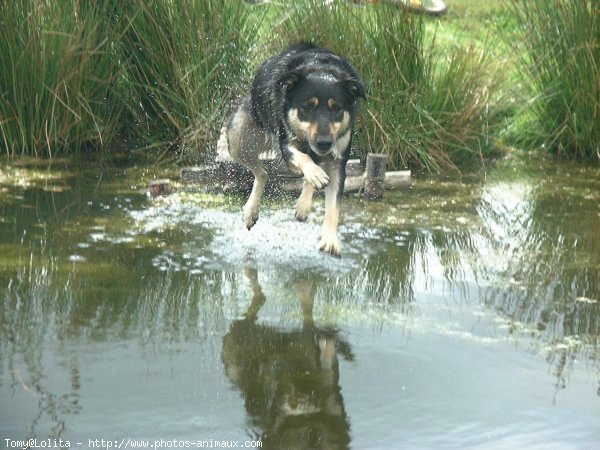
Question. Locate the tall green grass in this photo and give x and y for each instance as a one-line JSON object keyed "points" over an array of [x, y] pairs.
{"points": [[75, 74], [57, 77], [184, 61], [560, 60], [426, 109]]}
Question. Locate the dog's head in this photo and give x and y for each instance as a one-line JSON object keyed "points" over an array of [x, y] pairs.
{"points": [[321, 108]]}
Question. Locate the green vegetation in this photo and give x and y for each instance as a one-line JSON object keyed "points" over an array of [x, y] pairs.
{"points": [[560, 62], [57, 77], [160, 74], [78, 75], [184, 64]]}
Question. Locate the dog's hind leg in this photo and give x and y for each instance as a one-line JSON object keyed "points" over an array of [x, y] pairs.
{"points": [[253, 204], [246, 142]]}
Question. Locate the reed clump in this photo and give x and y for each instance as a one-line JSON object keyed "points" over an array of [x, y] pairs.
{"points": [[157, 74], [57, 77], [559, 59], [161, 74], [184, 62]]}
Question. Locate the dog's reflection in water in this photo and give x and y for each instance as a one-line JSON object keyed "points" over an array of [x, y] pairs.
{"points": [[289, 379]]}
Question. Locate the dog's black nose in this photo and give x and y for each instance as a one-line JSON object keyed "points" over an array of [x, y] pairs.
{"points": [[324, 142]]}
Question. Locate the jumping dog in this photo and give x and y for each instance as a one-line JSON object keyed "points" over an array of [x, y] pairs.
{"points": [[303, 103]]}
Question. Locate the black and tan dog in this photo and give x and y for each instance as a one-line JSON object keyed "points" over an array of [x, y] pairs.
{"points": [[303, 103]]}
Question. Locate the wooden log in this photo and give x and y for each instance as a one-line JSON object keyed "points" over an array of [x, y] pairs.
{"points": [[195, 174], [375, 176], [227, 176], [159, 187], [354, 168], [400, 179], [222, 170], [352, 184]]}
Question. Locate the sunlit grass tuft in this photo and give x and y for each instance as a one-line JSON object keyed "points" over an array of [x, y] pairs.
{"points": [[560, 60]]}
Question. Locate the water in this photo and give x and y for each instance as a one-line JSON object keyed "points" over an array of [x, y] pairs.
{"points": [[464, 313]]}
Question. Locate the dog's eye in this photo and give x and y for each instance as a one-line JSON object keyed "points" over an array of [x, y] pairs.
{"points": [[308, 107], [335, 108]]}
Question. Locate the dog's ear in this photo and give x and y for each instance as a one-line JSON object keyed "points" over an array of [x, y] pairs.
{"points": [[355, 88], [289, 80]]}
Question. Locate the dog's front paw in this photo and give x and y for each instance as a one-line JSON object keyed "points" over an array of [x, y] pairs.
{"points": [[301, 216], [330, 243], [316, 176]]}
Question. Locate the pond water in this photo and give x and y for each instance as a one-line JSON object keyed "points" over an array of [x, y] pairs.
{"points": [[464, 313]]}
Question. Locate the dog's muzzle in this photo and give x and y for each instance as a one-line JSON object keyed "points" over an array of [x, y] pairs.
{"points": [[323, 145]]}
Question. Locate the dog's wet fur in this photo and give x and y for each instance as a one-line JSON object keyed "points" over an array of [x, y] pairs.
{"points": [[303, 103]]}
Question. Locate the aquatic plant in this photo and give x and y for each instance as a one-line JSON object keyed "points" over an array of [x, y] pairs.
{"points": [[57, 77], [159, 74], [426, 109], [559, 57], [184, 62]]}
